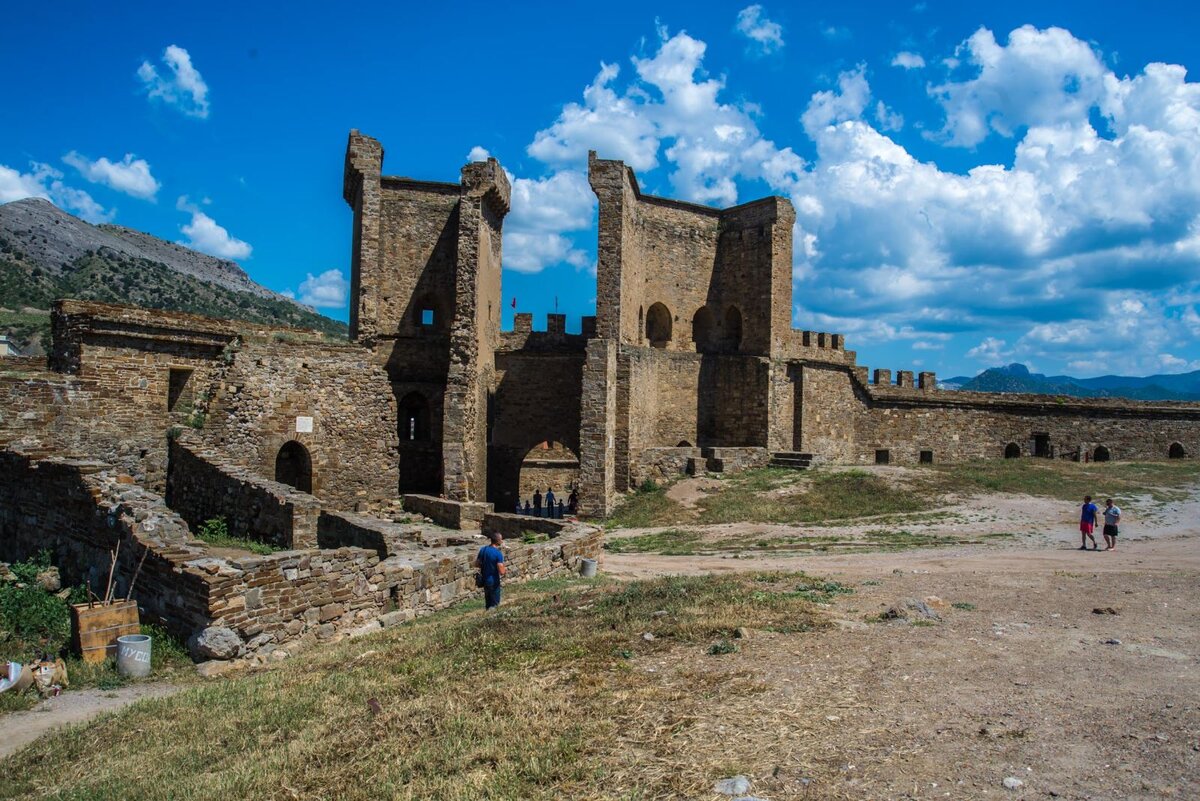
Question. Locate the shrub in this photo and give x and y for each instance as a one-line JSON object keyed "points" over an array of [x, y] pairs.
{"points": [[30, 613]]}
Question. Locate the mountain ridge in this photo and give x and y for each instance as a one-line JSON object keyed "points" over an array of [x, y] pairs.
{"points": [[46, 253], [1016, 377]]}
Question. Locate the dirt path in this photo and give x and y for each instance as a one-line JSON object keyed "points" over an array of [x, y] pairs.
{"points": [[74, 706]]}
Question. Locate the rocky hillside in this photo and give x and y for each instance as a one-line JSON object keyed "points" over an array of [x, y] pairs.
{"points": [[46, 253], [1017, 378]]}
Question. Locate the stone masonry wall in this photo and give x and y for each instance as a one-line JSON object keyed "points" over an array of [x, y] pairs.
{"points": [[335, 400], [259, 604], [202, 485]]}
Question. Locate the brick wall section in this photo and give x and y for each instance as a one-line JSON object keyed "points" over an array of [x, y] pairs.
{"points": [[344, 390], [202, 485], [447, 513]]}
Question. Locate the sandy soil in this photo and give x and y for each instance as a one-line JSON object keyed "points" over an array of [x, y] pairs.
{"points": [[1028, 684], [75, 706]]}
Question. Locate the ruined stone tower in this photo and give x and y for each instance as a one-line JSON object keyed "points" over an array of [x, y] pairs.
{"points": [[425, 287]]}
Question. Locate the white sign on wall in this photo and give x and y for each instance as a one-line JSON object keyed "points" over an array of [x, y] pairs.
{"points": [[304, 425]]}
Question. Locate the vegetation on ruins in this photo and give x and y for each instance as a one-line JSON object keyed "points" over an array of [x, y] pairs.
{"points": [[568, 693], [215, 531], [34, 621]]}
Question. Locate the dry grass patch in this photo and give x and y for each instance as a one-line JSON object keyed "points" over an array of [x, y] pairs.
{"points": [[547, 698]]}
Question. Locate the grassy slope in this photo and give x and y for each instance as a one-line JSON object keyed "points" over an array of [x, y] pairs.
{"points": [[550, 698], [117, 279], [772, 495]]}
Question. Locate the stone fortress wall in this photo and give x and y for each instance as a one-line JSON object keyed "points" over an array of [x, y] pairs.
{"points": [[690, 364]]}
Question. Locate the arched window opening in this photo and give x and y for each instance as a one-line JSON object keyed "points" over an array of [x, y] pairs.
{"points": [[1176, 451], [1101, 454], [658, 326], [1012, 451], [702, 329], [733, 328], [683, 443], [414, 418], [293, 466]]}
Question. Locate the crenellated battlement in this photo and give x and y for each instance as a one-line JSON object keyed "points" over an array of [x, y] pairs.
{"points": [[554, 337], [881, 379]]}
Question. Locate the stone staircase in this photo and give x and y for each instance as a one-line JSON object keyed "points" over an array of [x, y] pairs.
{"points": [[791, 459]]}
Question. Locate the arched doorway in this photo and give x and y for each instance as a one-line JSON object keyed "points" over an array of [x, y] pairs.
{"points": [[548, 465], [1176, 451], [658, 326], [293, 466], [702, 329], [1012, 451], [733, 328], [1101, 454], [414, 418]]}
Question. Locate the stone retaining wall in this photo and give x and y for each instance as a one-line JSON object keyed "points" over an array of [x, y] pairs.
{"points": [[450, 514], [241, 606]]}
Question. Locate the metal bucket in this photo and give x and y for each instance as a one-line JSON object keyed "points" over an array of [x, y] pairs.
{"points": [[587, 568], [133, 655]]}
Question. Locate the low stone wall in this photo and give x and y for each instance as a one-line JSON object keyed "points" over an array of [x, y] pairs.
{"points": [[732, 460], [513, 526], [247, 607], [201, 485], [451, 514], [661, 465]]}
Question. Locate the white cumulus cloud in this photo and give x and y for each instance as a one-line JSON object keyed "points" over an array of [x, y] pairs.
{"points": [[753, 23], [179, 85], [205, 235], [478, 154], [130, 175], [329, 290], [545, 212], [46, 182], [908, 60]]}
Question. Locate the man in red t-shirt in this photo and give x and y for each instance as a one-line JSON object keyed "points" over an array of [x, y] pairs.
{"points": [[1087, 523]]}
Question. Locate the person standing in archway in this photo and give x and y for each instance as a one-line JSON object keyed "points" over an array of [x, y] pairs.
{"points": [[537, 502], [549, 501], [490, 563]]}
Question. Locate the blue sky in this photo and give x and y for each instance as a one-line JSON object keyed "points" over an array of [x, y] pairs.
{"points": [[974, 184]]}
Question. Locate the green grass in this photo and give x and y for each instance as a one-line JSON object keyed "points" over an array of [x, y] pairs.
{"points": [[648, 506], [548, 698], [672, 542], [819, 496], [1068, 481], [215, 532]]}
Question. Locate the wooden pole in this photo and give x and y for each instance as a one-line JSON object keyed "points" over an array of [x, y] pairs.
{"points": [[111, 569]]}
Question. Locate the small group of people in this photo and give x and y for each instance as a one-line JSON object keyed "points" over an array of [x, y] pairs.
{"points": [[549, 506], [1089, 518]]}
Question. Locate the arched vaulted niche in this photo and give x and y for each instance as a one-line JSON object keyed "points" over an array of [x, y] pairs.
{"points": [[733, 328], [703, 333], [293, 466], [658, 325], [1012, 451], [1176, 451], [1101, 454], [414, 418]]}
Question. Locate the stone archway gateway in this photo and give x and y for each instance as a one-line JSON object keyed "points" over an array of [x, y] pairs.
{"points": [[293, 466], [549, 465]]}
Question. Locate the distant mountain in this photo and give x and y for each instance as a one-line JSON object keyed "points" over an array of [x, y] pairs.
{"points": [[46, 253], [1017, 378]]}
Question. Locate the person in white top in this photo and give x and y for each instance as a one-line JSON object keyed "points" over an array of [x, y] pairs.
{"points": [[1112, 516]]}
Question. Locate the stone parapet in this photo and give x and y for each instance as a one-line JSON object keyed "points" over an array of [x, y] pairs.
{"points": [[448, 513]]}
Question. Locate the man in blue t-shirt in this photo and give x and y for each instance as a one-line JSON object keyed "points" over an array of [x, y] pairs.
{"points": [[490, 562], [1087, 523]]}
